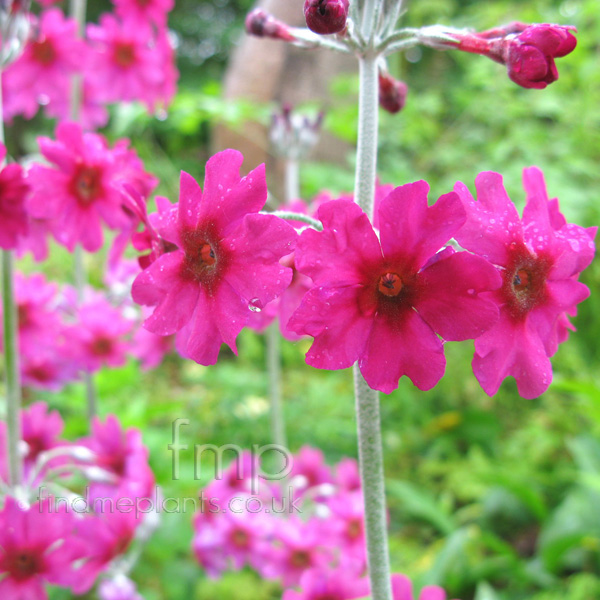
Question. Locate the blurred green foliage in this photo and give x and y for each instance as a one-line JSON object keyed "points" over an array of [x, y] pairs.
{"points": [[496, 499]]}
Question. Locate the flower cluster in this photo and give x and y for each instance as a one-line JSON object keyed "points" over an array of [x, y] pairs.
{"points": [[71, 541], [386, 294], [305, 531], [127, 57]]}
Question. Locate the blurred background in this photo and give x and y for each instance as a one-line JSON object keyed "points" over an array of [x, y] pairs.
{"points": [[493, 498]]}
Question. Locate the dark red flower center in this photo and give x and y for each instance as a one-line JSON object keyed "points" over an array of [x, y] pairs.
{"points": [[204, 258], [23, 315], [23, 565], [390, 284], [525, 281], [300, 559], [354, 529], [102, 346], [86, 183], [240, 538], [43, 52], [115, 463], [124, 54]]}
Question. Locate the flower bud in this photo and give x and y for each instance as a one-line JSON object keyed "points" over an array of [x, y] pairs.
{"points": [[392, 93], [261, 24], [529, 56], [326, 16]]}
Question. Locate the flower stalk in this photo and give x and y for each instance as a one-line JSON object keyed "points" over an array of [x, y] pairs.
{"points": [[11, 354], [78, 10], [367, 400]]}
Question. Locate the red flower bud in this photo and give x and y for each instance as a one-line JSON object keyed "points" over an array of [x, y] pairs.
{"points": [[261, 24], [530, 55], [392, 93], [326, 16]]}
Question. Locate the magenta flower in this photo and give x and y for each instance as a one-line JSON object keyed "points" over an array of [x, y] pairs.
{"points": [[298, 547], [101, 334], [43, 73], [123, 455], [107, 536], [118, 588], [84, 190], [37, 547], [384, 302], [539, 258], [317, 584], [14, 221], [41, 430], [309, 465], [129, 62], [226, 259], [529, 56], [154, 11]]}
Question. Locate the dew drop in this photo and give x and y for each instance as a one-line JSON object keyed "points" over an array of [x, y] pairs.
{"points": [[255, 305]]}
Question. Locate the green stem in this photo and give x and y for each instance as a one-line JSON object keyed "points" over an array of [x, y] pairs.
{"points": [[11, 353], [274, 369], [11, 368], [292, 180], [288, 215], [77, 11], [367, 400]]}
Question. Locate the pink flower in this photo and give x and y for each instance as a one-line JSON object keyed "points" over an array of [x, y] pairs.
{"points": [[37, 547], [309, 463], [122, 454], [40, 430], [85, 188], [329, 585], [154, 11], [118, 588], [539, 258], [43, 73], [347, 475], [128, 62], [298, 548], [101, 335], [529, 56], [14, 223], [150, 349], [106, 536], [384, 301], [341, 585], [226, 259]]}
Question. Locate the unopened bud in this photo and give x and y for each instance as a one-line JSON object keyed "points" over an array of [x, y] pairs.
{"points": [[261, 24], [326, 16], [530, 55], [392, 93]]}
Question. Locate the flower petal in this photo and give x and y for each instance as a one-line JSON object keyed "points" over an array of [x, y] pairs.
{"points": [[407, 347], [448, 300], [412, 230]]}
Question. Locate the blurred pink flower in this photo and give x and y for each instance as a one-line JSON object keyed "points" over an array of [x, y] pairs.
{"points": [[123, 455], [225, 259], [383, 301], [129, 62], [37, 547], [14, 220], [85, 188], [42, 75], [106, 536], [540, 257], [155, 11]]}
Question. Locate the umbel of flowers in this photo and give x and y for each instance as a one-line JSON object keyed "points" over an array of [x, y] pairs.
{"points": [[305, 531], [81, 507]]}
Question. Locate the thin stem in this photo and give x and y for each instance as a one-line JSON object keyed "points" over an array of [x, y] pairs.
{"points": [[88, 380], [274, 369], [11, 368], [367, 400], [292, 180], [368, 118], [78, 12], [367, 24], [11, 353], [293, 216], [370, 454]]}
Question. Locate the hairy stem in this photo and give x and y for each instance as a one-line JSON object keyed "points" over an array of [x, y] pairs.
{"points": [[11, 354], [367, 400], [274, 369]]}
